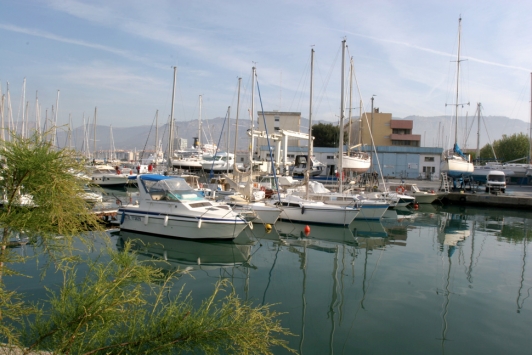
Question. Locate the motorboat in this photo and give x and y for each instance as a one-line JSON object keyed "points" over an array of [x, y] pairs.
{"points": [[395, 199], [300, 166], [168, 206], [189, 159], [220, 163], [106, 175], [420, 196], [480, 172]]}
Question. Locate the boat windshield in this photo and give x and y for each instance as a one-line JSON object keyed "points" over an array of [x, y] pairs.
{"points": [[213, 158], [172, 189]]}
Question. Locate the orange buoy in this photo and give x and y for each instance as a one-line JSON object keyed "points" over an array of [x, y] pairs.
{"points": [[306, 230]]}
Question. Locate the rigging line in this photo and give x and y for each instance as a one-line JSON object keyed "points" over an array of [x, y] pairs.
{"points": [[369, 128], [216, 152], [268, 140], [148, 138], [321, 95], [302, 82]]}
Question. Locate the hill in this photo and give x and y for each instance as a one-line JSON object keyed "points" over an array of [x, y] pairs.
{"points": [[435, 132]]}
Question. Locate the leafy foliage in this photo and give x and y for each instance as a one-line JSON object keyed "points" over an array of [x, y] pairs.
{"points": [[326, 135], [507, 149], [126, 307], [122, 306]]}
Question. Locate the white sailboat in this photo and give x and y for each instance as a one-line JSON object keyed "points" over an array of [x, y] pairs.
{"points": [[304, 210], [454, 163], [355, 161]]}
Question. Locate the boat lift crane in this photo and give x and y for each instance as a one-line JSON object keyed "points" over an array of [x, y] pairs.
{"points": [[280, 137]]}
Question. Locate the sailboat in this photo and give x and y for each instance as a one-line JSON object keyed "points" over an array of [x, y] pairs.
{"points": [[355, 161], [454, 162], [304, 210], [248, 199]]}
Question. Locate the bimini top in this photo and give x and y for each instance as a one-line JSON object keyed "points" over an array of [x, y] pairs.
{"points": [[152, 177]]}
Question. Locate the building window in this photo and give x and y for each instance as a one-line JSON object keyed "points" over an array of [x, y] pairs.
{"points": [[290, 156], [277, 124], [429, 158], [241, 159], [330, 156]]}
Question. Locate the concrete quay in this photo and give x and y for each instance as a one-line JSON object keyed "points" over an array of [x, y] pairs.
{"points": [[516, 196]]}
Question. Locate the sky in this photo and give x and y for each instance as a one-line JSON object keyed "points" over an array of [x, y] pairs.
{"points": [[118, 56]]}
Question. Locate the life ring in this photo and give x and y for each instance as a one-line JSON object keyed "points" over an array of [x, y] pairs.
{"points": [[400, 190]]}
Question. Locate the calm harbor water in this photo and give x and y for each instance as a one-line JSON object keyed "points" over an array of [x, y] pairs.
{"points": [[437, 280]]}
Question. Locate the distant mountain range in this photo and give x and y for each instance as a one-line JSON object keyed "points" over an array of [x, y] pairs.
{"points": [[434, 131]]}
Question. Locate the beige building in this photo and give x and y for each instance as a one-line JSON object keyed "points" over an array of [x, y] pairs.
{"points": [[386, 131], [276, 120]]}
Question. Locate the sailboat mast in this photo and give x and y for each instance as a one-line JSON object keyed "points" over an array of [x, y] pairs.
{"points": [[94, 134], [171, 133], [199, 122], [530, 133], [310, 140], [350, 104], [228, 132], [341, 134], [23, 108], [478, 134], [252, 147], [457, 83], [236, 124], [157, 136]]}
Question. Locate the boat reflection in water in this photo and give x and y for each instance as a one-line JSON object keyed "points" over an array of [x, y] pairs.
{"points": [[452, 231], [169, 253]]}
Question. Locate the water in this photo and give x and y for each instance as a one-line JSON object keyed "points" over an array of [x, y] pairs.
{"points": [[437, 280]]}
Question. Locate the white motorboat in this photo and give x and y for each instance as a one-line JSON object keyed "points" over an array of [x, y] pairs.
{"points": [[189, 159], [421, 196], [480, 172], [220, 163], [106, 175], [168, 206], [395, 199], [297, 209], [300, 166]]}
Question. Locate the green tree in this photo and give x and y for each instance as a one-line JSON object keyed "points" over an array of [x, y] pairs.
{"points": [[486, 152], [121, 305], [510, 148], [326, 135]]}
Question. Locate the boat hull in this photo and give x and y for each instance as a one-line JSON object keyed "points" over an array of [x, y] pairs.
{"points": [[371, 211], [319, 215], [456, 167], [176, 226], [427, 197], [357, 164], [264, 214]]}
